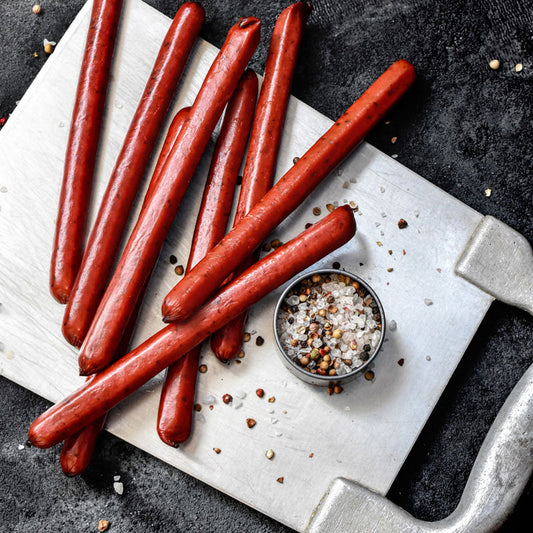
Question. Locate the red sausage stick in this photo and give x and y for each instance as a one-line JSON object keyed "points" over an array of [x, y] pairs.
{"points": [[148, 235], [125, 180], [77, 450], [177, 397], [130, 372], [289, 192], [261, 159], [82, 146]]}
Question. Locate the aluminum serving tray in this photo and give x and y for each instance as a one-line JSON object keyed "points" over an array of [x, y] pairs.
{"points": [[436, 312]]}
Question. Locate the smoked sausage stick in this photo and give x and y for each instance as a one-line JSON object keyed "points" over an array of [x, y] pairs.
{"points": [[144, 245], [82, 145], [78, 449], [260, 166], [119, 380], [177, 396], [106, 235], [289, 192]]}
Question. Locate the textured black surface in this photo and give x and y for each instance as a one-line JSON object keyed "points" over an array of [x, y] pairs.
{"points": [[464, 127]]}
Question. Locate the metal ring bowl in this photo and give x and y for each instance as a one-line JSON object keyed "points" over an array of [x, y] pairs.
{"points": [[317, 379]]}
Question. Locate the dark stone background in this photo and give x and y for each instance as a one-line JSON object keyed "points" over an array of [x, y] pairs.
{"points": [[464, 127]]}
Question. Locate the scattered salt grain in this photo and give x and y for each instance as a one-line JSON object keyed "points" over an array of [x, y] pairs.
{"points": [[200, 417], [209, 400], [3, 189], [21, 446], [119, 487], [237, 404], [417, 213], [116, 478], [382, 189], [428, 301], [240, 394], [392, 325]]}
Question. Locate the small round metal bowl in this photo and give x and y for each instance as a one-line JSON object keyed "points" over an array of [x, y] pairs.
{"points": [[306, 375]]}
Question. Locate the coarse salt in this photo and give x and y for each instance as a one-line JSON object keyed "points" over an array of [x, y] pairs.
{"points": [[334, 330]]}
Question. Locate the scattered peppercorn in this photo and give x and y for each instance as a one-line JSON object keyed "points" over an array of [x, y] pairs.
{"points": [[48, 48], [246, 337], [272, 399], [276, 243], [227, 398], [217, 450], [259, 341], [179, 270], [369, 375], [308, 225], [336, 265], [240, 355], [250, 422], [279, 480], [202, 369], [494, 64], [173, 259], [330, 207], [197, 407], [402, 223], [37, 9], [317, 211], [401, 361], [337, 389], [295, 160], [267, 247], [102, 524], [269, 454], [519, 67], [260, 392]]}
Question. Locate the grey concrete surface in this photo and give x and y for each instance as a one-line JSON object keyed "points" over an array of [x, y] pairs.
{"points": [[464, 127]]}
